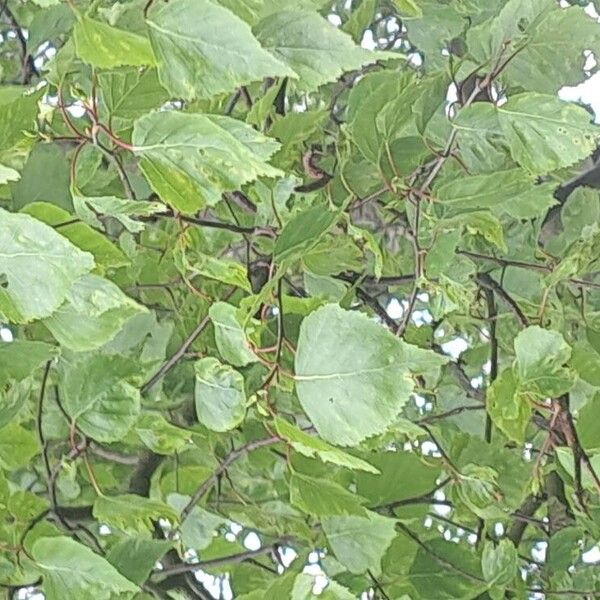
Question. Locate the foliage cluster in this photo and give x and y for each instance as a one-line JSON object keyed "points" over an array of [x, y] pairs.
{"points": [[274, 294]]}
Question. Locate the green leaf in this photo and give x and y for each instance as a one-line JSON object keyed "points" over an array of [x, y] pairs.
{"points": [[47, 163], [38, 267], [94, 311], [18, 114], [226, 271], [549, 57], [128, 94], [7, 174], [106, 47], [190, 159], [478, 490], [89, 208], [540, 356], [161, 436], [408, 7], [71, 571], [105, 253], [17, 446], [323, 498], [351, 375], [230, 337], [499, 562], [359, 543], [98, 399], [200, 528], [484, 224], [509, 410], [311, 47], [303, 232], [588, 424], [132, 513], [203, 49], [512, 192], [136, 557], [455, 574], [311, 446], [20, 358], [542, 132], [220, 399], [415, 477]]}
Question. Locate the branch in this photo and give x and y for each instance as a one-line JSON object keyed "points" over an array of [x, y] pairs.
{"points": [[267, 231], [27, 65], [175, 358], [485, 281], [426, 498], [223, 560], [520, 264], [492, 311], [455, 411], [229, 459]]}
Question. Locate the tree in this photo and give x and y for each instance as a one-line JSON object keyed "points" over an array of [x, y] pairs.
{"points": [[285, 297]]}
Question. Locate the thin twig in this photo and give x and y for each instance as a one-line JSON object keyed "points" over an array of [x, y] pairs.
{"points": [[176, 357], [217, 562], [229, 459]]}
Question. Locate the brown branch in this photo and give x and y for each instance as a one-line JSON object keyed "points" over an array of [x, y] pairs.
{"points": [[27, 65], [222, 560], [426, 498], [488, 283], [520, 264], [450, 413], [267, 231]]}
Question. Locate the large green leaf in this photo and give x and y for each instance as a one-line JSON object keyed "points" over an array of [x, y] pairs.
{"points": [[351, 375], [303, 232], [203, 49], [106, 47], [94, 311], [131, 93], [542, 132], [359, 543], [512, 192], [37, 266], [415, 477], [323, 498], [71, 571], [97, 397], [220, 399], [20, 358], [105, 253], [509, 409], [190, 159], [549, 56], [311, 47], [135, 557]]}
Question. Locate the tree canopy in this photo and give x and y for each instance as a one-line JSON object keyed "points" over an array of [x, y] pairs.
{"points": [[298, 299]]}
